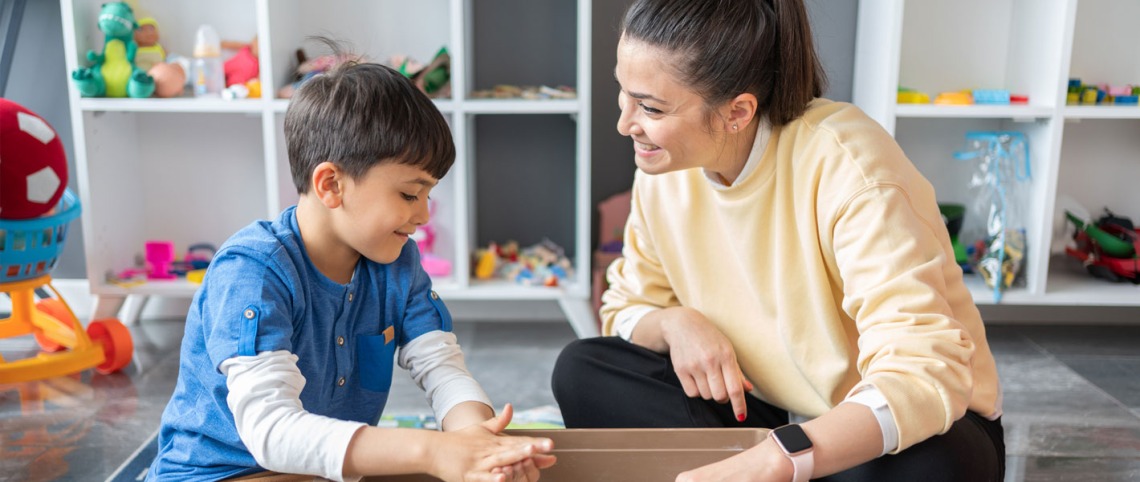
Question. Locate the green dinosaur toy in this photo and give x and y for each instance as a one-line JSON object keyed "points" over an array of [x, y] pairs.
{"points": [[114, 73]]}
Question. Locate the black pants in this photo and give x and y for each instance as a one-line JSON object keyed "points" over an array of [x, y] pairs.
{"points": [[610, 383]]}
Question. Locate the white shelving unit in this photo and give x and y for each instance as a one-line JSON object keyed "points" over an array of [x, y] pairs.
{"points": [[1086, 153], [196, 170]]}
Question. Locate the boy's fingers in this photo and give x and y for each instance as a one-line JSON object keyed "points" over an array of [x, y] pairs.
{"points": [[499, 423], [509, 456], [544, 461], [529, 470]]}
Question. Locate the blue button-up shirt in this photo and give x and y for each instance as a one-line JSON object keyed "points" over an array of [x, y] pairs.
{"points": [[262, 293]]}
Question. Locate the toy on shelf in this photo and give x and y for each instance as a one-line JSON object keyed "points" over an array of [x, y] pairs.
{"points": [[34, 166], [160, 256], [307, 68], [542, 92], [954, 98], [1101, 94], [434, 79], [169, 78], [209, 78], [114, 73], [30, 248], [159, 263], [543, 264], [1002, 170], [150, 52], [907, 95], [1109, 249], [242, 70], [953, 215], [425, 237]]}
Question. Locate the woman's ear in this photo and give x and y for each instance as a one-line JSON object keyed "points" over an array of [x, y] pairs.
{"points": [[327, 184], [741, 112]]}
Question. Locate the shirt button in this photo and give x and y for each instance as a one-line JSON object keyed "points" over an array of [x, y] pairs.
{"points": [[350, 297], [340, 340], [248, 314], [340, 382]]}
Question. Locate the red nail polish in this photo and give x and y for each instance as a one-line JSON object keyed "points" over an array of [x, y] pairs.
{"points": [[740, 418]]}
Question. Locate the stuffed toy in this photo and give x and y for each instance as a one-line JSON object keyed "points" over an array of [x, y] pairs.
{"points": [[114, 73], [33, 166], [150, 52]]}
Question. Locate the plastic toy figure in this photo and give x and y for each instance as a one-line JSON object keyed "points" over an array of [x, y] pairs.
{"points": [[114, 73], [1109, 249]]}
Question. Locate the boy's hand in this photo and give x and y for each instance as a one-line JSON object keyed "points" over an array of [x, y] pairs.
{"points": [[479, 454]]}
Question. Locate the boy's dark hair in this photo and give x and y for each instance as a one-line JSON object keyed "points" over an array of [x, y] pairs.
{"points": [[728, 47], [358, 115]]}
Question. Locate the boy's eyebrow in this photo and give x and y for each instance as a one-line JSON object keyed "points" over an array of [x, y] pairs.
{"points": [[638, 95], [422, 181]]}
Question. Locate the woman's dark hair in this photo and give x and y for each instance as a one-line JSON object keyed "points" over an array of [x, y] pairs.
{"points": [[358, 115], [728, 47]]}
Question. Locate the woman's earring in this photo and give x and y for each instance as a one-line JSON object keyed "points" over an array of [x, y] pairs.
{"points": [[734, 127]]}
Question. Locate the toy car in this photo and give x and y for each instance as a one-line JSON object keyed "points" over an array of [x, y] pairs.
{"points": [[1110, 249]]}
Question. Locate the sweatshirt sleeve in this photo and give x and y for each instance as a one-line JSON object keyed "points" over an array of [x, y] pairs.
{"points": [[637, 281], [892, 261]]}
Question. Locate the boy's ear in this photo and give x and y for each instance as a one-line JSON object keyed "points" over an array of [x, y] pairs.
{"points": [[327, 179]]}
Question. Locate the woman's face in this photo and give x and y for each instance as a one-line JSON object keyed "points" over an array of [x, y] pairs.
{"points": [[667, 121]]}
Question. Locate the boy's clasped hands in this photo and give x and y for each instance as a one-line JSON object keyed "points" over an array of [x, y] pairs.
{"points": [[481, 453]]}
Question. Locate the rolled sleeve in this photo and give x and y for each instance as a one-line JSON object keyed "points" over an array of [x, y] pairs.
{"points": [[911, 348]]}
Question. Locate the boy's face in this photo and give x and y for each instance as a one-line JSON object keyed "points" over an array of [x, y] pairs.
{"points": [[383, 208]]}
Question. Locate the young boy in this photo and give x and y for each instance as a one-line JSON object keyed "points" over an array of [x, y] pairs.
{"points": [[287, 357]]}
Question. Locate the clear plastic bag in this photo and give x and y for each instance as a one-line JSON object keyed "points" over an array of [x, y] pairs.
{"points": [[1001, 177]]}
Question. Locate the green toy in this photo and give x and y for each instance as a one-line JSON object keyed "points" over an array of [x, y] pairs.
{"points": [[114, 73]]}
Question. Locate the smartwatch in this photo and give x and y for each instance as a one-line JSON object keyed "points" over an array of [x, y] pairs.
{"points": [[796, 445]]}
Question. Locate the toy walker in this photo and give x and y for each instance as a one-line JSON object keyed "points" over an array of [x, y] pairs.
{"points": [[29, 249]]}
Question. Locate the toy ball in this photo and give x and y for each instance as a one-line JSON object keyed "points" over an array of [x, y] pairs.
{"points": [[33, 166], [169, 79]]}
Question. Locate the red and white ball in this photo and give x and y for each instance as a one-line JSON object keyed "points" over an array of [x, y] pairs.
{"points": [[33, 166]]}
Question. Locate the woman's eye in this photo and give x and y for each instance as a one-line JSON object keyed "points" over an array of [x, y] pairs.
{"points": [[648, 110], [410, 198]]}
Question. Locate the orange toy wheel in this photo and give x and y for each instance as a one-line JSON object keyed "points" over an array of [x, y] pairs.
{"points": [[117, 344], [56, 309]]}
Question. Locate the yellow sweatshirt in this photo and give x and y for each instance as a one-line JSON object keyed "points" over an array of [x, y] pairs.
{"points": [[828, 267]]}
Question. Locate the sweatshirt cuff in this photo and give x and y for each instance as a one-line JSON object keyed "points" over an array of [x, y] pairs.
{"points": [[626, 320], [872, 398]]}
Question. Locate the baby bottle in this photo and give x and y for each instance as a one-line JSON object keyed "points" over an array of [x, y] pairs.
{"points": [[209, 78]]}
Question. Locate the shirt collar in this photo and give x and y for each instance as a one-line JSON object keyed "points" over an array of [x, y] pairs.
{"points": [[763, 133]]}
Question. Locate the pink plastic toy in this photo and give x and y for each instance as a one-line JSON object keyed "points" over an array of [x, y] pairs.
{"points": [[160, 255], [425, 239]]}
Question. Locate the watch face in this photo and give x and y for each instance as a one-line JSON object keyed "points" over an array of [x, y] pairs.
{"points": [[792, 438]]}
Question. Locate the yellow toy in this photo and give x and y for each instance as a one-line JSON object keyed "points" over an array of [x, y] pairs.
{"points": [[30, 249]]}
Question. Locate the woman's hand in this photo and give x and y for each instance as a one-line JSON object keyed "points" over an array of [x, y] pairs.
{"points": [[478, 453], [761, 463], [704, 359]]}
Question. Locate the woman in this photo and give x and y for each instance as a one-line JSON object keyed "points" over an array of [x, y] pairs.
{"points": [[783, 262]]}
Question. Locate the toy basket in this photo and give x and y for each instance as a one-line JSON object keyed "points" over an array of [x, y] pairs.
{"points": [[31, 247]]}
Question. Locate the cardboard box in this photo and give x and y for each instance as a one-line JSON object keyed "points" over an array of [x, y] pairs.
{"points": [[615, 455]]}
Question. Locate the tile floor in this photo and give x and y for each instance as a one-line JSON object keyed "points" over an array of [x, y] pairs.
{"points": [[1072, 399]]}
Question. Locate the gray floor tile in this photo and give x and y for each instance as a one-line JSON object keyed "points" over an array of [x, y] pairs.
{"points": [[1068, 469], [1119, 376], [1007, 340], [1086, 340]]}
